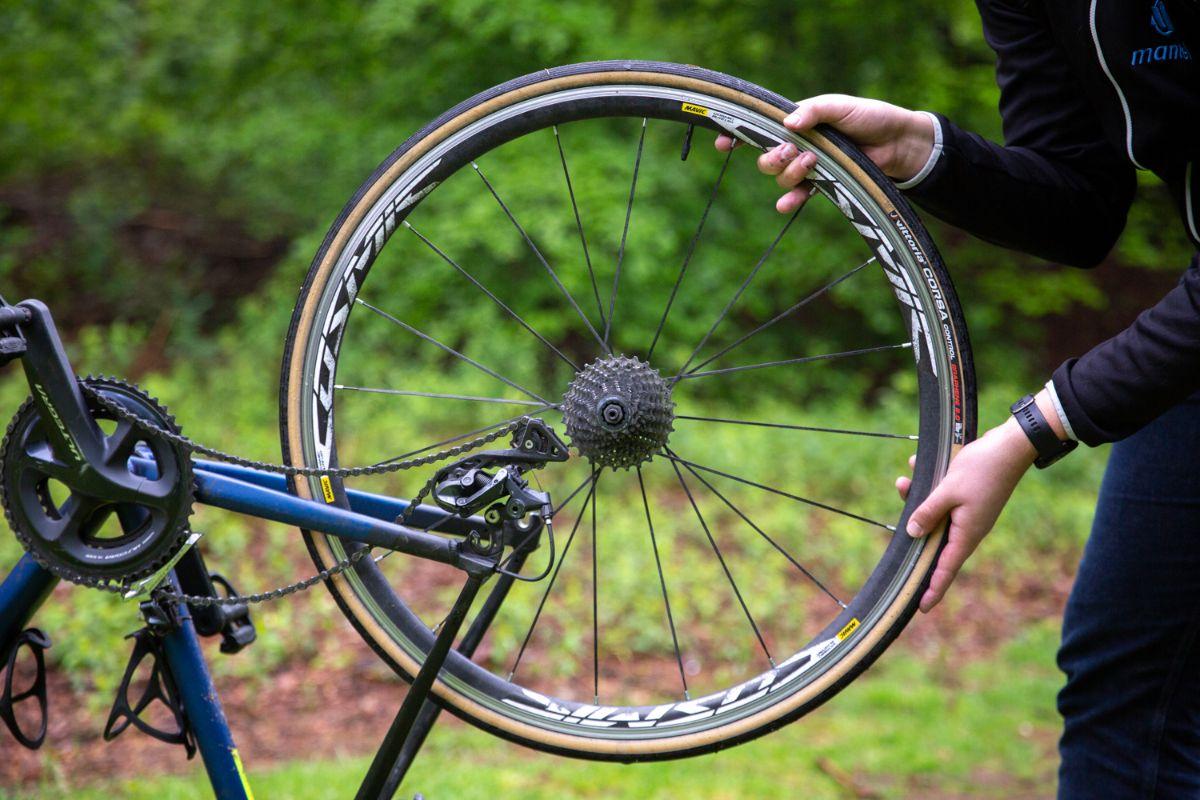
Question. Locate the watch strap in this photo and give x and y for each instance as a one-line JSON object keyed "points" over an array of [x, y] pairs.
{"points": [[1035, 425]]}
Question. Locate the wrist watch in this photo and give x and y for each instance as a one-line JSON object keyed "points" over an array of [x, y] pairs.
{"points": [[1031, 419]]}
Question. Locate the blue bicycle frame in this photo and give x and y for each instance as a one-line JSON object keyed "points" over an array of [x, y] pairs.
{"points": [[368, 521]]}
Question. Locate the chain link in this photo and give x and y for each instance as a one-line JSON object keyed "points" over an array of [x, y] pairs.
{"points": [[190, 446], [382, 468]]}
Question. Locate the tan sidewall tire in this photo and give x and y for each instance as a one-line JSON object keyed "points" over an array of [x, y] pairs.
{"points": [[862, 653]]}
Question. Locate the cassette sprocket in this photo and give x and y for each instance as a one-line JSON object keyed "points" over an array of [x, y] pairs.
{"points": [[618, 412], [90, 540]]}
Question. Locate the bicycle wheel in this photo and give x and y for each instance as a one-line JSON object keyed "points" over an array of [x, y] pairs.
{"points": [[556, 243]]}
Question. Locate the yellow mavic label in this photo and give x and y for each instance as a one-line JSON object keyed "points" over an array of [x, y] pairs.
{"points": [[327, 488], [850, 628], [237, 759], [695, 109]]}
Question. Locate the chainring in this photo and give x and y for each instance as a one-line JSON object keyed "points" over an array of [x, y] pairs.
{"points": [[75, 536]]}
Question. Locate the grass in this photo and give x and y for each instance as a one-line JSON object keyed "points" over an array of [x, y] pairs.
{"points": [[910, 728]]}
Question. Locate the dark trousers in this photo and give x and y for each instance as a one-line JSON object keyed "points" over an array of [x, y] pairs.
{"points": [[1131, 634]]}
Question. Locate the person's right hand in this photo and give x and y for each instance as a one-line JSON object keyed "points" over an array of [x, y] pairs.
{"points": [[898, 140]]}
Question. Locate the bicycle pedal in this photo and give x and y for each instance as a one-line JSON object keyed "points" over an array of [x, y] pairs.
{"points": [[229, 619], [36, 642], [236, 628], [160, 686]]}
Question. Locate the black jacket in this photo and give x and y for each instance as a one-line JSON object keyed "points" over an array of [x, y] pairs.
{"points": [[1090, 90]]}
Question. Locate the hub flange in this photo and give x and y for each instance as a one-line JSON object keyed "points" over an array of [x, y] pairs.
{"points": [[618, 411]]}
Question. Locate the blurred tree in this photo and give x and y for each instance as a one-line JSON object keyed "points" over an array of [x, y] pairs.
{"points": [[159, 159]]}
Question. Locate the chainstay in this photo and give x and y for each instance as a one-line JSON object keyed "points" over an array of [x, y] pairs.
{"points": [[341, 566]]}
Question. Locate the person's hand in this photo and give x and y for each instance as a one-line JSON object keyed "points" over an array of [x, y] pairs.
{"points": [[898, 140], [979, 482]]}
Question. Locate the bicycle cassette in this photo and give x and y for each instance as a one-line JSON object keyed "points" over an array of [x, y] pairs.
{"points": [[98, 524]]}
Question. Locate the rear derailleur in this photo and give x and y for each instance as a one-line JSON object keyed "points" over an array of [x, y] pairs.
{"points": [[493, 482]]}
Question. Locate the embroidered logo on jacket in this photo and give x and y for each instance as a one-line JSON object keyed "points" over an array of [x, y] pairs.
{"points": [[1160, 19]]}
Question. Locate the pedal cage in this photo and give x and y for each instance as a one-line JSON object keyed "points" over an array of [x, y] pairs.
{"points": [[160, 686], [37, 642]]}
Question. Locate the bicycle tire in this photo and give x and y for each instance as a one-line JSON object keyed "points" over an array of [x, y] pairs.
{"points": [[365, 596]]}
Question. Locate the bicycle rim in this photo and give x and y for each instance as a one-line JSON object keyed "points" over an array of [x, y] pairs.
{"points": [[859, 624]]}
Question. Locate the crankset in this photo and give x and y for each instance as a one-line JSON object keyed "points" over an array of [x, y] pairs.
{"points": [[76, 507]]}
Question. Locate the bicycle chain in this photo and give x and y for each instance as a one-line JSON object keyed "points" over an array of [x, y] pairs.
{"points": [[191, 446]]}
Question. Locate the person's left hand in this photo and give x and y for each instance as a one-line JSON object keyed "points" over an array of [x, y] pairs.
{"points": [[979, 482]]}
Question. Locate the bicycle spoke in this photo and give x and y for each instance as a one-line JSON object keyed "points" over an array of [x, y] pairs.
{"points": [[467, 435], [570, 497], [800, 360], [538, 253], [453, 352], [440, 396], [797, 427], [724, 566], [553, 577], [742, 288], [687, 258], [587, 256], [663, 583], [490, 295], [612, 300], [672, 456], [595, 613], [764, 535], [742, 339]]}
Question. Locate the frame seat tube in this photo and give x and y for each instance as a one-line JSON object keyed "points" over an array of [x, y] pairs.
{"points": [[205, 716]]}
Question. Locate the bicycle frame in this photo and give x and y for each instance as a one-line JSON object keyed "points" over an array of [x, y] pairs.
{"points": [[368, 521]]}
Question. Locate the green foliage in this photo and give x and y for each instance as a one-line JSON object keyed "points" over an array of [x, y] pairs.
{"points": [[175, 154]]}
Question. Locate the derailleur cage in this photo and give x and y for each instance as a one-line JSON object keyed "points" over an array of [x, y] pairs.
{"points": [[484, 480], [37, 642]]}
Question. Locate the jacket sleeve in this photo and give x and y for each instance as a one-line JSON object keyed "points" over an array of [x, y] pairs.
{"points": [[1123, 383], [1057, 189]]}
